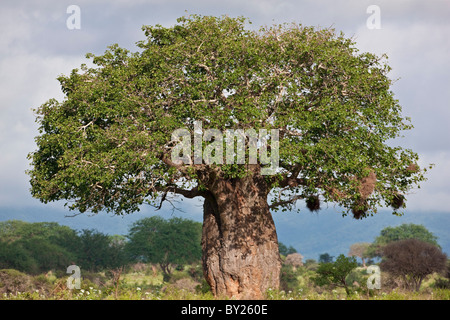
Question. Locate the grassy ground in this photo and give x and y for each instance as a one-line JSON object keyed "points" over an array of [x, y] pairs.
{"points": [[144, 283]]}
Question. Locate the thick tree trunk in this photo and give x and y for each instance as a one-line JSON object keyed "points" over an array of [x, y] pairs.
{"points": [[240, 247]]}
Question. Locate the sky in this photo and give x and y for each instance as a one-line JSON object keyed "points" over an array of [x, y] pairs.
{"points": [[38, 42]]}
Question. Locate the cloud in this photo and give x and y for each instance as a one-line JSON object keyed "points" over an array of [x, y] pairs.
{"points": [[13, 33], [434, 193], [27, 81], [418, 54]]}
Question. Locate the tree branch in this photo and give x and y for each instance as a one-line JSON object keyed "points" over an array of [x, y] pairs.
{"points": [[285, 202], [190, 194]]}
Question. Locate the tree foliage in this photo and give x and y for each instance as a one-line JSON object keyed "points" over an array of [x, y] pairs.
{"points": [[401, 232], [166, 242], [360, 250], [98, 251], [406, 231], [284, 250], [43, 246], [335, 273], [34, 247], [39, 247], [325, 258], [107, 145]]}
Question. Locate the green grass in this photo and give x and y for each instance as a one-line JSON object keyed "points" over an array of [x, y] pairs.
{"points": [[185, 284]]}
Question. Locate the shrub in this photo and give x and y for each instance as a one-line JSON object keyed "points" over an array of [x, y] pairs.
{"points": [[196, 272], [334, 274], [311, 264], [288, 278], [442, 283], [13, 281]]}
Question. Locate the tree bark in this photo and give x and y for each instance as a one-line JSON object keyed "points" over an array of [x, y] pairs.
{"points": [[239, 241]]}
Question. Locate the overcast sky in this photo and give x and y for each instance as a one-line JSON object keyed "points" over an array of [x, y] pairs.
{"points": [[36, 46]]}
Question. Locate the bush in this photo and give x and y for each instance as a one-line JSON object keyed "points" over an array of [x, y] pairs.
{"points": [[13, 281], [203, 287], [311, 264], [196, 272], [14, 256], [357, 278], [165, 242], [442, 283], [334, 274], [288, 278]]}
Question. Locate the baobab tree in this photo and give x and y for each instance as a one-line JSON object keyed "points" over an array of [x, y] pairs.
{"points": [[327, 109]]}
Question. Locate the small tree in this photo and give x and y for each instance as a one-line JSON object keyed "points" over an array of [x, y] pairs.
{"points": [[35, 247], [294, 259], [98, 251], [325, 258], [360, 250], [335, 273], [412, 260], [166, 242]]}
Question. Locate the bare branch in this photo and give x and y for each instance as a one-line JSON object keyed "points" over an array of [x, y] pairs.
{"points": [[285, 202], [190, 194], [162, 200], [86, 125]]}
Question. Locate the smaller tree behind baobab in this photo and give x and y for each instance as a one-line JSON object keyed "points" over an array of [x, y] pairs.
{"points": [[360, 250], [294, 259], [412, 260]]}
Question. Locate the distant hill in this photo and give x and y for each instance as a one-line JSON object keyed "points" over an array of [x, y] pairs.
{"points": [[310, 233], [327, 231]]}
